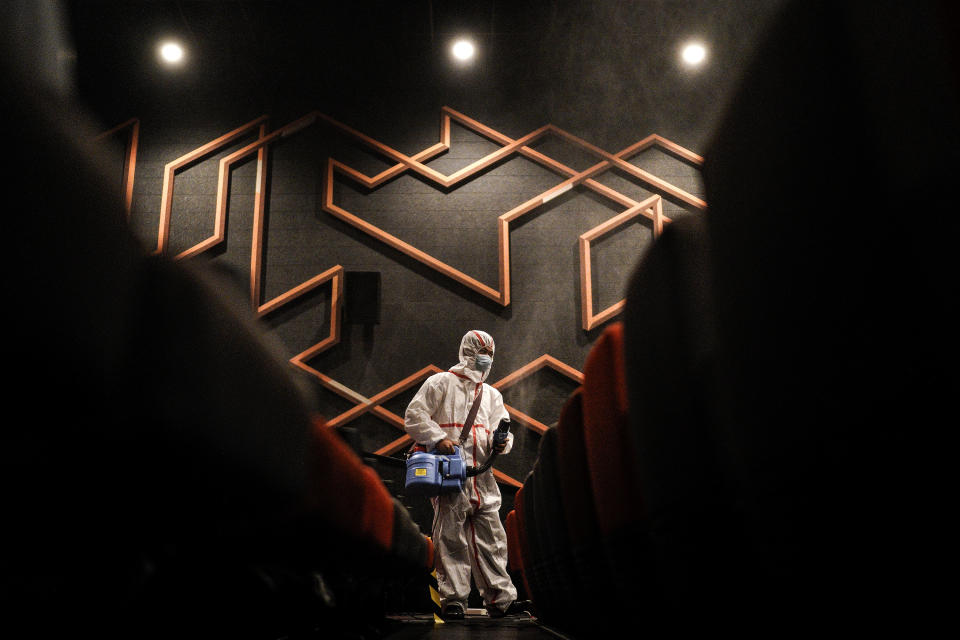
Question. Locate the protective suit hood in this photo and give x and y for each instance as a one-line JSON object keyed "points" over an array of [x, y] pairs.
{"points": [[472, 341]]}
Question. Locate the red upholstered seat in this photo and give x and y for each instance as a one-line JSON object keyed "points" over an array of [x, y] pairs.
{"points": [[607, 441], [611, 456], [514, 558], [522, 543]]}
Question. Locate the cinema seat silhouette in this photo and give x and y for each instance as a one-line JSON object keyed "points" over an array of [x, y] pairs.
{"points": [[787, 356], [670, 346], [514, 554], [172, 470], [590, 570], [517, 537], [549, 563], [611, 459], [579, 509], [535, 545]]}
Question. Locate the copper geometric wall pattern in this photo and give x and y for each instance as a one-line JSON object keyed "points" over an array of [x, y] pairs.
{"points": [[415, 163], [169, 176], [572, 178], [544, 361], [334, 274], [568, 179], [652, 207]]}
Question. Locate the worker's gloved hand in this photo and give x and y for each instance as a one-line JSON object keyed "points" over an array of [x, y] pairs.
{"points": [[500, 440], [445, 447]]}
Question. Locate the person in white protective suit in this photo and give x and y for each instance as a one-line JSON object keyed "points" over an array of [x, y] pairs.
{"points": [[467, 533]]}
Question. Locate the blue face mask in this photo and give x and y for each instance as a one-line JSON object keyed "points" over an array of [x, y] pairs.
{"points": [[483, 362]]}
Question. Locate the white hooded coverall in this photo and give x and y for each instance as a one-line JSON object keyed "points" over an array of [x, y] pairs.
{"points": [[467, 531]]}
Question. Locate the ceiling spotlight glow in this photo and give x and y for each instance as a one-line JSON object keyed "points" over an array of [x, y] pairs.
{"points": [[171, 52], [694, 54], [463, 50]]}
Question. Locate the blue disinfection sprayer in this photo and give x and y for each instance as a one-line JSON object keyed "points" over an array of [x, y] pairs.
{"points": [[433, 474]]}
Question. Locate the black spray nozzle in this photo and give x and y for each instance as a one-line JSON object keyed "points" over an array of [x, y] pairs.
{"points": [[500, 435]]}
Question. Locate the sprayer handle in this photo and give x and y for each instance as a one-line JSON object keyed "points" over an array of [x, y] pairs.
{"points": [[500, 435]]}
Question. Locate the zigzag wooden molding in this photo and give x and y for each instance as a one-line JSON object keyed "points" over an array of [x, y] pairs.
{"points": [[415, 163], [573, 179], [650, 208], [129, 162]]}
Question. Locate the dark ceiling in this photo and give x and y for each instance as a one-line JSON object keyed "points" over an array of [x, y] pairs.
{"points": [[593, 67]]}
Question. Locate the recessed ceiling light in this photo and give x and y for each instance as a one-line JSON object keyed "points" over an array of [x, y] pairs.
{"points": [[171, 52], [463, 50], [694, 54]]}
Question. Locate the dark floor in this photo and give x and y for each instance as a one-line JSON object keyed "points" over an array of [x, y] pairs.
{"points": [[521, 627]]}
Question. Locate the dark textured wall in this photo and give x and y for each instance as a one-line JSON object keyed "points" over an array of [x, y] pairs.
{"points": [[423, 314], [605, 75]]}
